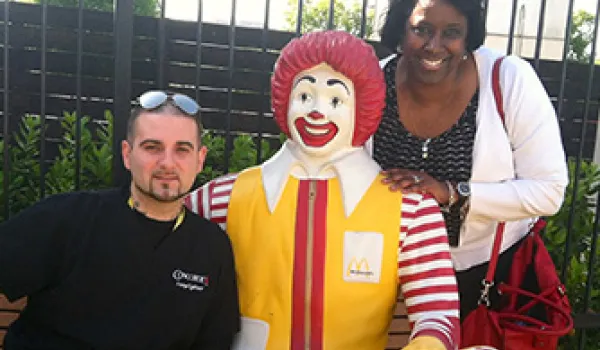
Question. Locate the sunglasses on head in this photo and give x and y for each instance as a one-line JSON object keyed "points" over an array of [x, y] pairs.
{"points": [[154, 99]]}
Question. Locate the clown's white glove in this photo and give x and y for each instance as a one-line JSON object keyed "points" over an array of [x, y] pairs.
{"points": [[425, 342]]}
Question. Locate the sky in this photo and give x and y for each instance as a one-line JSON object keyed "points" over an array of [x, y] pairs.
{"points": [[588, 5]]}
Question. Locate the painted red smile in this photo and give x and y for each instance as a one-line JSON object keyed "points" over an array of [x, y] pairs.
{"points": [[314, 135]]}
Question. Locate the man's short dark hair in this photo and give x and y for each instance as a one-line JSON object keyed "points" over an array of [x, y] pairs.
{"points": [[166, 108], [394, 28]]}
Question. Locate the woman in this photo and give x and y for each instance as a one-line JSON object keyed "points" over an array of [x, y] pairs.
{"points": [[441, 133]]}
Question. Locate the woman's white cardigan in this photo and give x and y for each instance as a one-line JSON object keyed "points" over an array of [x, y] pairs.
{"points": [[519, 173]]}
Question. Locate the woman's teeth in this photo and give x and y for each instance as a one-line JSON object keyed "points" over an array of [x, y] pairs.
{"points": [[432, 64]]}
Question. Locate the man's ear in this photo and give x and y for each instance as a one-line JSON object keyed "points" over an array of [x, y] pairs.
{"points": [[125, 153], [201, 158]]}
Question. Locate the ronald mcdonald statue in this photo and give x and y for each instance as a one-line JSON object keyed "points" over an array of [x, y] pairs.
{"points": [[320, 244]]}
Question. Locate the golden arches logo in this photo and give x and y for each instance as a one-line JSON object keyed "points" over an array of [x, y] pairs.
{"points": [[358, 268]]}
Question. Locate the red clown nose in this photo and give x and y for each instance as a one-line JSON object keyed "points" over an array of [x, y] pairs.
{"points": [[316, 115]]}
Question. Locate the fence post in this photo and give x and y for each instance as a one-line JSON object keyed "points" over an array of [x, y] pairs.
{"points": [[597, 144], [6, 113], [123, 38]]}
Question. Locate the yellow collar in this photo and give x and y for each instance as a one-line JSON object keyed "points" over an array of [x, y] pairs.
{"points": [[178, 220]]}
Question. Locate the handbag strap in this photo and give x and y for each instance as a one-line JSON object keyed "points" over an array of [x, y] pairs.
{"points": [[488, 282], [496, 88]]}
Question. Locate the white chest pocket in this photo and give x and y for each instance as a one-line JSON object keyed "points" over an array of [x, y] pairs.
{"points": [[363, 255]]}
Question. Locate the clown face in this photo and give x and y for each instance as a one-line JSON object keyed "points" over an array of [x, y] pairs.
{"points": [[321, 111]]}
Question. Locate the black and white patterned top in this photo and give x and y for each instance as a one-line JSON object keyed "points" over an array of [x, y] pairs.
{"points": [[448, 156]]}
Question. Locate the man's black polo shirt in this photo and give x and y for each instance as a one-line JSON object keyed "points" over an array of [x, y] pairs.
{"points": [[100, 275]]}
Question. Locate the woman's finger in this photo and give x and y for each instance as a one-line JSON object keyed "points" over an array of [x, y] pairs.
{"points": [[407, 181]]}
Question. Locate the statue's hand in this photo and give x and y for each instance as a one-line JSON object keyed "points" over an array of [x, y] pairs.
{"points": [[425, 343]]}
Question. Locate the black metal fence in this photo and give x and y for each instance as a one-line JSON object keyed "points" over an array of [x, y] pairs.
{"points": [[58, 59]]}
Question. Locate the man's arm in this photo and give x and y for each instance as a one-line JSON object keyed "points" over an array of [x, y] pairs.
{"points": [[211, 201], [32, 244], [222, 320], [427, 277]]}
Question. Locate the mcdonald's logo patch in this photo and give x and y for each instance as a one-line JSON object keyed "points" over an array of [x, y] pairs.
{"points": [[363, 255]]}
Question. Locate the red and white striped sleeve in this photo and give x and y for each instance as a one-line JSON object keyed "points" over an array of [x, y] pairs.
{"points": [[212, 200], [426, 274]]}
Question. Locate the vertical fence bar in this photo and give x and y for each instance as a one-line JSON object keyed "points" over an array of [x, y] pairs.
{"points": [[78, 115], [263, 87], [43, 100], [198, 50], [6, 114], [331, 15], [540, 35], [123, 36], [486, 5], [588, 95], [228, 140], [566, 44], [160, 81], [511, 32], [587, 298], [592, 68], [299, 18], [590, 277], [561, 94], [363, 19]]}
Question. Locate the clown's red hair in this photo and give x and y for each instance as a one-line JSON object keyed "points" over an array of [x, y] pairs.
{"points": [[348, 55]]}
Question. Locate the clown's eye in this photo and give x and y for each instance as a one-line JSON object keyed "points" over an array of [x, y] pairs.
{"points": [[336, 102], [304, 97]]}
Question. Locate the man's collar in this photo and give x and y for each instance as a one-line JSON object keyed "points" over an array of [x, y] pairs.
{"points": [[355, 170]]}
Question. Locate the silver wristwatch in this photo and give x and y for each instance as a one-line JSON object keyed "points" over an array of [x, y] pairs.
{"points": [[464, 189]]}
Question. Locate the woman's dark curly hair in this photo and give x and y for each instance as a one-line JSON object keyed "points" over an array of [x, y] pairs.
{"points": [[394, 29]]}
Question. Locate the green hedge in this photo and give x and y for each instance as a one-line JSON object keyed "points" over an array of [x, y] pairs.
{"points": [[96, 158], [581, 246], [25, 168]]}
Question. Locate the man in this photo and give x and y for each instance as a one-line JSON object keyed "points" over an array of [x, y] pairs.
{"points": [[320, 243], [125, 268]]}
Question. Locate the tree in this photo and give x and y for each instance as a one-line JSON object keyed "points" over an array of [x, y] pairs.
{"points": [[140, 7], [582, 34], [315, 16]]}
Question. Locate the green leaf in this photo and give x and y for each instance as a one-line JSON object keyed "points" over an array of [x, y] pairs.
{"points": [[315, 16]]}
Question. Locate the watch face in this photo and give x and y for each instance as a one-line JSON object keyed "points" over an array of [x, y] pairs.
{"points": [[464, 189]]}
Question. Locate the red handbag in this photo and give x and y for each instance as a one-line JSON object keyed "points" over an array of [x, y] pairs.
{"points": [[524, 320], [511, 326]]}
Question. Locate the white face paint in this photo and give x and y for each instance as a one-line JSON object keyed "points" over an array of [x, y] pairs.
{"points": [[321, 114]]}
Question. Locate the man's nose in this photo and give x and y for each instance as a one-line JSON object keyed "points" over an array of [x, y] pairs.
{"points": [[316, 115], [167, 160]]}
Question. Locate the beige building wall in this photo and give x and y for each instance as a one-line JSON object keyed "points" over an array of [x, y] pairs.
{"points": [[526, 27]]}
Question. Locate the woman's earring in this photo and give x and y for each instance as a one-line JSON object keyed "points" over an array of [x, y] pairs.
{"points": [[464, 57]]}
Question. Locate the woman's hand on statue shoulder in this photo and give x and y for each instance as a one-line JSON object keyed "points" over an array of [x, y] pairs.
{"points": [[412, 181]]}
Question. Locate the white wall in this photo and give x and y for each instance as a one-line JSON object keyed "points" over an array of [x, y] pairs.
{"points": [[526, 27], [555, 20]]}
